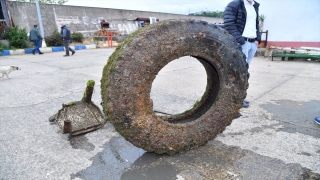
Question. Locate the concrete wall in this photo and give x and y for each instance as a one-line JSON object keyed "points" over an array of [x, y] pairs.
{"points": [[85, 19], [292, 23]]}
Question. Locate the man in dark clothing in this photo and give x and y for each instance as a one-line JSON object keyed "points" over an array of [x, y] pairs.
{"points": [[35, 37], [241, 21], [65, 35]]}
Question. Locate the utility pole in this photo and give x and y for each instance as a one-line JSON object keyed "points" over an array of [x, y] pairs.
{"points": [[40, 23]]}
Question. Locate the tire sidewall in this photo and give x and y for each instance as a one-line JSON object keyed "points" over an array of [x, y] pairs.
{"points": [[126, 97]]}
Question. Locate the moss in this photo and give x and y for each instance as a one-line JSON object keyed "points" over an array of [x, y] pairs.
{"points": [[84, 95], [90, 83], [109, 68], [112, 61]]}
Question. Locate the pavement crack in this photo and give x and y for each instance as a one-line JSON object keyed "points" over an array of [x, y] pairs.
{"points": [[277, 86]]}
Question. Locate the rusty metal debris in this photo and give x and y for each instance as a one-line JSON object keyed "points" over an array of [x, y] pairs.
{"points": [[67, 128], [106, 32], [80, 117]]}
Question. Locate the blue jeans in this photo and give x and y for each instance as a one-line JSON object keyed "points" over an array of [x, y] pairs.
{"points": [[249, 49], [37, 44]]}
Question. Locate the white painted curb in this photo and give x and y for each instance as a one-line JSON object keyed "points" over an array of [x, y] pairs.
{"points": [[17, 52], [46, 50], [91, 46]]}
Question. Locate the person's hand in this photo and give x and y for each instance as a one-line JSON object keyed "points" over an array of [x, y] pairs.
{"points": [[257, 42]]}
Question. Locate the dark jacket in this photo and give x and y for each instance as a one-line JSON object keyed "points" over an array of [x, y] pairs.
{"points": [[235, 16], [34, 35], [65, 33]]}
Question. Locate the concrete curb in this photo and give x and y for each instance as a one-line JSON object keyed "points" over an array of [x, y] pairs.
{"points": [[260, 51], [45, 50]]}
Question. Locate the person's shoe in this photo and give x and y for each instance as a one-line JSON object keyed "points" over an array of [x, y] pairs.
{"points": [[32, 52], [317, 120], [246, 101], [65, 55], [73, 53], [40, 53], [245, 105]]}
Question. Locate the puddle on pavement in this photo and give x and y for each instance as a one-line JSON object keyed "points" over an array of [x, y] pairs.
{"points": [[296, 116], [121, 160], [77, 142], [81, 142], [117, 156]]}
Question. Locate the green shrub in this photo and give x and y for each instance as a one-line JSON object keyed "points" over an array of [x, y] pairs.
{"points": [[2, 47], [77, 37], [54, 39], [17, 37]]}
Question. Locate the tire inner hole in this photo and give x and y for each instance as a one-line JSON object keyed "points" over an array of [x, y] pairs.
{"points": [[180, 86]]}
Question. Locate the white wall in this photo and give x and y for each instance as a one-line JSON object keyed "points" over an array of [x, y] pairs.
{"points": [[292, 20]]}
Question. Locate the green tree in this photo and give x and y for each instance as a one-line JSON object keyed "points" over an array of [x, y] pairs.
{"points": [[46, 1], [217, 14]]}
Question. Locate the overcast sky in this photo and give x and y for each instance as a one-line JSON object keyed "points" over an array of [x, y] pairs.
{"points": [[166, 6]]}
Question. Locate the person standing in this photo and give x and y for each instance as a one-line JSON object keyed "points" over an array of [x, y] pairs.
{"points": [[241, 21], [65, 35], [36, 38]]}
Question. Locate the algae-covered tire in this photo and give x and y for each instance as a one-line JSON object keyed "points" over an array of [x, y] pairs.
{"points": [[127, 79]]}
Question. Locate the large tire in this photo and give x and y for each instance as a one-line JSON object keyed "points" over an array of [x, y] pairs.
{"points": [[127, 79]]}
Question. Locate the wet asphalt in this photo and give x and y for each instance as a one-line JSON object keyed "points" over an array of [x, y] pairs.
{"points": [[275, 138]]}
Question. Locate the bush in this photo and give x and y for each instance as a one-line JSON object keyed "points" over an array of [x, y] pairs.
{"points": [[17, 37], [54, 39], [2, 47], [77, 37]]}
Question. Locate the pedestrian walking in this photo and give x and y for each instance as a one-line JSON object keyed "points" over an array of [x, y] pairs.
{"points": [[66, 37], [36, 38], [241, 21]]}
